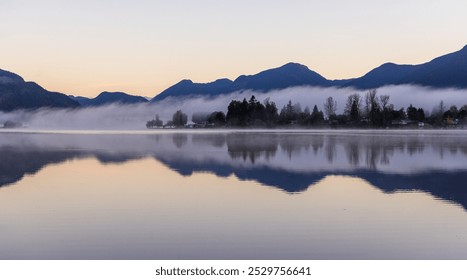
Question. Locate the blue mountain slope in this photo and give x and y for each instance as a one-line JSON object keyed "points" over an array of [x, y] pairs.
{"points": [[288, 75], [443, 72], [106, 98], [187, 88], [446, 71], [386, 74], [15, 94]]}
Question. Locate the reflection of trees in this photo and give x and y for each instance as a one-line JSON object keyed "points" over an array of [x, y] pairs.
{"points": [[452, 146], [371, 150], [215, 140], [294, 143], [330, 149], [415, 145], [386, 153], [372, 153], [252, 146], [353, 152], [179, 139], [463, 149], [304, 151], [317, 143]]}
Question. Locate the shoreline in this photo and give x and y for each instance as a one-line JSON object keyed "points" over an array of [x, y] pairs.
{"points": [[315, 131]]}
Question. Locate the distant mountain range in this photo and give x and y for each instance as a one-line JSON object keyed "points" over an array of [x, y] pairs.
{"points": [[291, 74], [15, 93], [106, 98], [446, 71]]}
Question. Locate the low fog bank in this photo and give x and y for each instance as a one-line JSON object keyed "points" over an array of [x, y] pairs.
{"points": [[135, 116]]}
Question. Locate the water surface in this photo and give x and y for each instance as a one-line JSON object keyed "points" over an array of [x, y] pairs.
{"points": [[233, 195]]}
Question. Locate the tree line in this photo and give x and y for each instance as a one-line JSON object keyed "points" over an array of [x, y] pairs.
{"points": [[370, 110]]}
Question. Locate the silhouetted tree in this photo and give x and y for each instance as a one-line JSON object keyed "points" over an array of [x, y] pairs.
{"points": [[287, 115], [179, 118], [154, 123], [248, 113], [373, 109], [270, 112], [330, 107], [217, 118], [371, 102], [420, 115], [354, 112], [353, 107], [412, 113], [316, 116], [384, 101], [237, 113]]}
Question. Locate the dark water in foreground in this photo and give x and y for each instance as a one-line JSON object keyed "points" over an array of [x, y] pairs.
{"points": [[234, 195]]}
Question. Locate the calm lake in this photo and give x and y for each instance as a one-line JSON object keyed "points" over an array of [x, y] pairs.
{"points": [[197, 194]]}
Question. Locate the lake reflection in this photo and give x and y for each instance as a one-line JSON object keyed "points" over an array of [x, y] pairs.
{"points": [[240, 195]]}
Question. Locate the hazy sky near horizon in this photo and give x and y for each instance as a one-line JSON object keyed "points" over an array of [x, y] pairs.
{"points": [[142, 47]]}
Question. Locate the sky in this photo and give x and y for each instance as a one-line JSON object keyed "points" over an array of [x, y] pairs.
{"points": [[142, 47]]}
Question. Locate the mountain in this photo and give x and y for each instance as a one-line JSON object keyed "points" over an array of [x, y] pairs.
{"points": [[83, 101], [288, 75], [446, 71], [106, 98], [15, 93], [187, 88], [386, 74]]}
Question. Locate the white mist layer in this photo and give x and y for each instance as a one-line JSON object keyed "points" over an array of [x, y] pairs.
{"points": [[135, 116]]}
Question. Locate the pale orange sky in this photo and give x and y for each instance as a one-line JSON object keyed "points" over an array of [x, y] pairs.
{"points": [[143, 47]]}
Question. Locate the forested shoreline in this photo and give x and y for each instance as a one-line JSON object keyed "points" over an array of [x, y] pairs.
{"points": [[360, 111]]}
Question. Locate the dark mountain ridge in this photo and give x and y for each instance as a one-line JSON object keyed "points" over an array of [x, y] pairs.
{"points": [[106, 98], [15, 93], [447, 71], [288, 75]]}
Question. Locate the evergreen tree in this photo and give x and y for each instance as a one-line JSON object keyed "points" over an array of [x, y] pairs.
{"points": [[412, 113], [179, 118]]}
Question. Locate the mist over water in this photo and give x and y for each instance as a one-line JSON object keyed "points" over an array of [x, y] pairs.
{"points": [[118, 116]]}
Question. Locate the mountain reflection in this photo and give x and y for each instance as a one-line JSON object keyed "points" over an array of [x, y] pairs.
{"points": [[291, 161]]}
